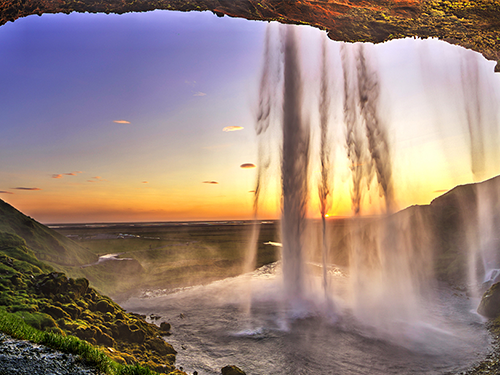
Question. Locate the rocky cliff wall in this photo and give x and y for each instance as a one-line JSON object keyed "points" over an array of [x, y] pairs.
{"points": [[471, 24]]}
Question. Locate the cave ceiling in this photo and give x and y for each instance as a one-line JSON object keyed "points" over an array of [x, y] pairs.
{"points": [[471, 24]]}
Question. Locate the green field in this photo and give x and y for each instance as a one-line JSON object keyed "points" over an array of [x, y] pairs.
{"points": [[167, 255]]}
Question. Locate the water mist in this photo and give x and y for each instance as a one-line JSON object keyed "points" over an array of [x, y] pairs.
{"points": [[389, 260], [362, 294]]}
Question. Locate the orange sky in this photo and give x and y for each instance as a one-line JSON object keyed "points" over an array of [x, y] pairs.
{"points": [[99, 126]]}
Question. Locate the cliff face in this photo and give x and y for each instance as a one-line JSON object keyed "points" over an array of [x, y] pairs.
{"points": [[471, 24]]}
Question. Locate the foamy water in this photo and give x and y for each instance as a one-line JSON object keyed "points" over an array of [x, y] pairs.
{"points": [[211, 328]]}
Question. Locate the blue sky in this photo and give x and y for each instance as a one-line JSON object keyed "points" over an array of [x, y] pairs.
{"points": [[120, 117]]}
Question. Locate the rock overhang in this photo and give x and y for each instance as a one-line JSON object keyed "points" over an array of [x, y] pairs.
{"points": [[471, 24]]}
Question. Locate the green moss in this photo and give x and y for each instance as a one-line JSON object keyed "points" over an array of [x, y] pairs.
{"points": [[37, 320]]}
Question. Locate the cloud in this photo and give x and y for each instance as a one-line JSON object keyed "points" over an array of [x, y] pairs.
{"points": [[251, 191], [190, 83], [441, 191], [26, 188], [5, 192], [121, 121], [145, 182], [199, 93], [97, 179], [232, 128], [61, 175], [247, 166], [210, 182]]}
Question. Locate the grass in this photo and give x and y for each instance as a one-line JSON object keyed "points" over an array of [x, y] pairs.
{"points": [[16, 327]]}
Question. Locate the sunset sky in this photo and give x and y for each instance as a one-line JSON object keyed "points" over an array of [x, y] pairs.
{"points": [[150, 117]]}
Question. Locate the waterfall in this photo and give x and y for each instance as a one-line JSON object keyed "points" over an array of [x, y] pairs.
{"points": [[294, 169], [389, 259]]}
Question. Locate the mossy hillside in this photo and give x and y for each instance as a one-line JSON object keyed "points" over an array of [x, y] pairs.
{"points": [[47, 244], [53, 303], [17, 327]]}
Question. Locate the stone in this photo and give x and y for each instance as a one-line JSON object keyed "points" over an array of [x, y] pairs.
{"points": [[106, 340], [56, 312], [160, 346], [165, 327], [104, 306], [137, 336], [232, 370], [489, 306]]}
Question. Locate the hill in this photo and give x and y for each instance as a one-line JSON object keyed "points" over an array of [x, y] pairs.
{"points": [[46, 244], [465, 224]]}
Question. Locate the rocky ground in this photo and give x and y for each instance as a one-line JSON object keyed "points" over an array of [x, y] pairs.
{"points": [[18, 357]]}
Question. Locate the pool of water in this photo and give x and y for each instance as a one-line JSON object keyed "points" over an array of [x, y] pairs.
{"points": [[244, 321]]}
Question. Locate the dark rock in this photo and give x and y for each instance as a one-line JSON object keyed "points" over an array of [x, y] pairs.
{"points": [[160, 346], [490, 303], [85, 334], [165, 327], [232, 370], [124, 331], [137, 336], [73, 310], [104, 306], [55, 312], [141, 316], [106, 340]]}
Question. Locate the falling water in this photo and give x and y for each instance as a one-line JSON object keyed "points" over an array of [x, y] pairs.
{"points": [[358, 295], [294, 166], [325, 183], [389, 260]]}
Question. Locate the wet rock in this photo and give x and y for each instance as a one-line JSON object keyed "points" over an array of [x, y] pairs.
{"points": [[24, 358], [165, 327], [160, 346], [232, 370], [490, 303]]}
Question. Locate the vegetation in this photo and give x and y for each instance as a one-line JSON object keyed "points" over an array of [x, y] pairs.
{"points": [[68, 314], [43, 305], [48, 246], [15, 326]]}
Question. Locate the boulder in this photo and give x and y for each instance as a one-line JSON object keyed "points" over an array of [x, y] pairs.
{"points": [[232, 370], [137, 336], [56, 312], [104, 306], [160, 346], [165, 327], [73, 310], [490, 303]]}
